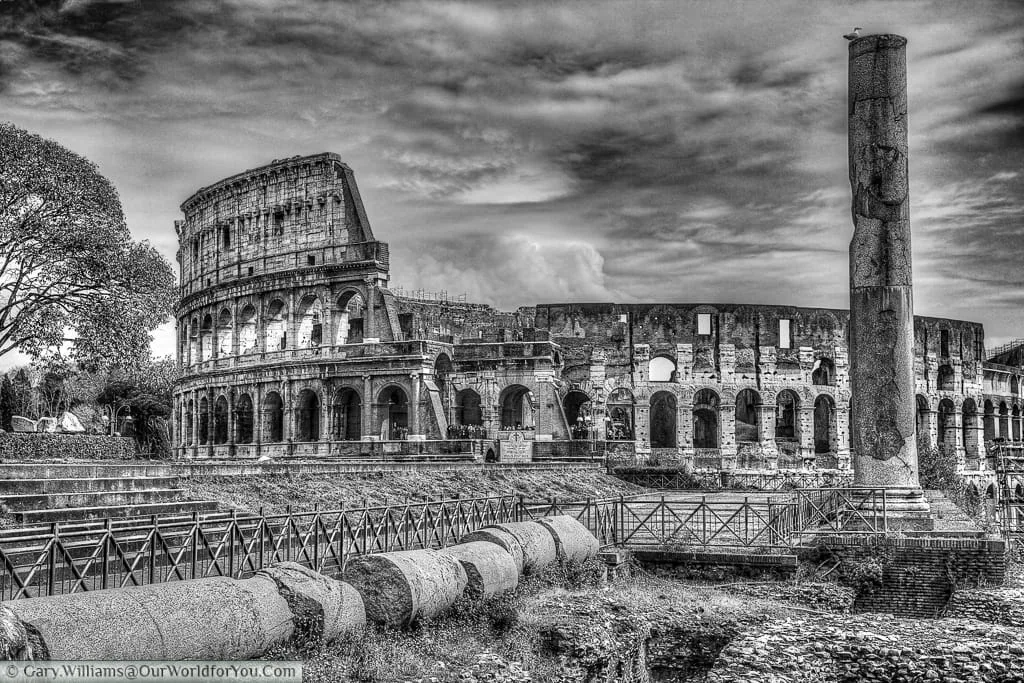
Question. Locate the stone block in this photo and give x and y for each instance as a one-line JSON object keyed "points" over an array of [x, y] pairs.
{"points": [[324, 608], [212, 619], [399, 588], [489, 567], [573, 541]]}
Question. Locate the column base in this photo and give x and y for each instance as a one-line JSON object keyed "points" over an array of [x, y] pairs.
{"points": [[905, 508]]}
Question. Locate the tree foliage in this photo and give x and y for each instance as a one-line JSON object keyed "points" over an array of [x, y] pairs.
{"points": [[69, 270], [146, 392]]}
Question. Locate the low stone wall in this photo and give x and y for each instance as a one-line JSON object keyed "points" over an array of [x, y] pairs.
{"points": [[916, 576], [871, 649], [715, 566], [45, 447], [993, 605]]}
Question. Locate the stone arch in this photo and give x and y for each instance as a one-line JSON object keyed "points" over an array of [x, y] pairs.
{"points": [[661, 368], [577, 407], [351, 307], [248, 334], [706, 404], [442, 375], [747, 402], [516, 405], [824, 372], [275, 328], [1004, 420], [663, 420], [193, 341], [309, 322], [206, 338], [244, 415], [307, 416], [825, 424], [621, 415], [990, 492], [347, 415], [787, 415], [945, 378], [225, 333], [273, 417], [467, 408], [946, 424], [204, 421], [1014, 385], [393, 410]]}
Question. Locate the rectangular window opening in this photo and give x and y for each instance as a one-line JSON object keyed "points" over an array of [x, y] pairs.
{"points": [[311, 260], [785, 341], [703, 323]]}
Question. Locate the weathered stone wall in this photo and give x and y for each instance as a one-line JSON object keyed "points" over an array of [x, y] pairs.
{"points": [[993, 605], [920, 574], [51, 447]]}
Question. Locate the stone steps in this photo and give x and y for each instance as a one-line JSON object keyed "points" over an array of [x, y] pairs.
{"points": [[948, 516], [113, 511], [95, 498]]}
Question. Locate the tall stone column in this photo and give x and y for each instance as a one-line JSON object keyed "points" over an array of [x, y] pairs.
{"points": [[881, 293]]}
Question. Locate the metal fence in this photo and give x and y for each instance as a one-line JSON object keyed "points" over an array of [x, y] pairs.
{"points": [[89, 556], [73, 557]]}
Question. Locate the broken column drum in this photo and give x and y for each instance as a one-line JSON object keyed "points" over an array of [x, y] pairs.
{"points": [[883, 443]]}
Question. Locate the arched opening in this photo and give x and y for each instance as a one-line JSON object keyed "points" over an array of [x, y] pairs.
{"points": [[206, 339], [467, 408], [577, 413], [663, 420], [1014, 385], [1015, 423], [225, 333], [661, 368], [220, 420], [204, 421], [824, 424], [705, 419], [924, 438], [348, 415], [787, 407], [516, 403], [989, 421], [273, 417], [193, 342], [394, 411], [969, 420], [310, 332], [946, 424], [1004, 420], [244, 419], [351, 312], [824, 372], [619, 425], [1018, 491], [276, 327], [308, 416], [746, 416], [945, 378], [247, 337], [190, 416]]}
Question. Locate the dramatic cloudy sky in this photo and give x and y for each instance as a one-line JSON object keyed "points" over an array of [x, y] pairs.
{"points": [[525, 152]]}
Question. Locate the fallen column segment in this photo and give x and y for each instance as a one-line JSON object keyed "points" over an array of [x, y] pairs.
{"points": [[489, 568]]}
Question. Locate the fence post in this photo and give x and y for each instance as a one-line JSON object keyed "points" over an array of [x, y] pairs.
{"points": [[107, 540], [316, 537], [704, 519], [620, 527], [152, 547], [232, 528], [746, 519], [195, 541], [51, 560]]}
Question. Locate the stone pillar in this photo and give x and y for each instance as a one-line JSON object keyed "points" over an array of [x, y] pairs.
{"points": [[881, 293], [371, 432], [766, 426], [415, 433]]}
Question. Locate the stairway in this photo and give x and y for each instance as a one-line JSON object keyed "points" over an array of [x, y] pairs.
{"points": [[948, 517], [39, 493]]}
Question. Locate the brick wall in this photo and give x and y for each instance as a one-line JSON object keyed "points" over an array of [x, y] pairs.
{"points": [[920, 573]]}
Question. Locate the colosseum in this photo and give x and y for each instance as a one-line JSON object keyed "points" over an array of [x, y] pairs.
{"points": [[291, 343]]}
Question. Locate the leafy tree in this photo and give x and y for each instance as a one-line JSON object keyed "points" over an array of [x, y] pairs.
{"points": [[70, 275], [24, 400], [6, 404], [146, 393]]}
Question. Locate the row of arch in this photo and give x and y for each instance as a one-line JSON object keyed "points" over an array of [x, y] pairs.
{"points": [[663, 368], [312, 324]]}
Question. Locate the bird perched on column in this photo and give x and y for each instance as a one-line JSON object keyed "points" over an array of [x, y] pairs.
{"points": [[854, 35]]}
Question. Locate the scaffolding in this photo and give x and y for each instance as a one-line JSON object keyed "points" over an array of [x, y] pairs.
{"points": [[441, 297]]}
